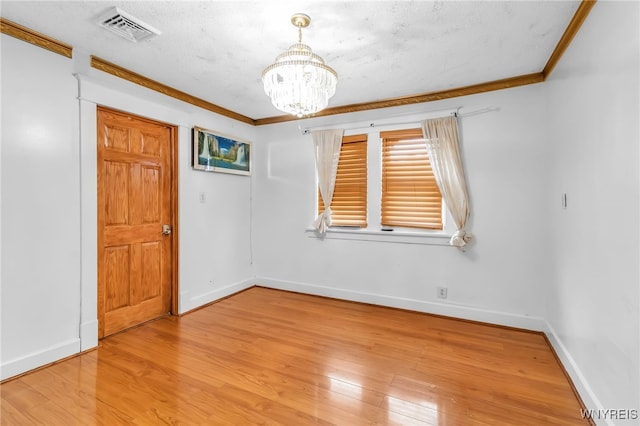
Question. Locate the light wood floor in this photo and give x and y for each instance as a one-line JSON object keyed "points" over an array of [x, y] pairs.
{"points": [[272, 357]]}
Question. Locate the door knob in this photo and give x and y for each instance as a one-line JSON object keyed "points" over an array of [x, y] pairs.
{"points": [[166, 229]]}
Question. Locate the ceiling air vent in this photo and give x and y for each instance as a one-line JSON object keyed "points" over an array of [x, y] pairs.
{"points": [[126, 26]]}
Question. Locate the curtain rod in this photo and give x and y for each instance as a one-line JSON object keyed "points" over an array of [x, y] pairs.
{"points": [[372, 124]]}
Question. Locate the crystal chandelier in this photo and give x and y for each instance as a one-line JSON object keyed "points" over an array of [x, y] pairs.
{"points": [[299, 82]]}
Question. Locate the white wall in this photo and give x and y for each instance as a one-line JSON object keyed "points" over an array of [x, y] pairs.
{"points": [[49, 252], [593, 103], [40, 207], [501, 279]]}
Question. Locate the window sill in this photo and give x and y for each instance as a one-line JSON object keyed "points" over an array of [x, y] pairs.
{"points": [[395, 236]]}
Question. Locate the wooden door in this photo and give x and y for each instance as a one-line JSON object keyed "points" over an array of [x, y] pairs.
{"points": [[135, 257]]}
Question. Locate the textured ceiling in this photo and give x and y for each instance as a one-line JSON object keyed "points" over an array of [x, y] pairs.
{"points": [[216, 50]]}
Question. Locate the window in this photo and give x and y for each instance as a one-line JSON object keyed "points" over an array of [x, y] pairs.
{"points": [[349, 204], [410, 194], [385, 181]]}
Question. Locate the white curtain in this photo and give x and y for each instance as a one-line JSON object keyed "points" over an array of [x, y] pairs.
{"points": [[327, 144], [442, 142]]}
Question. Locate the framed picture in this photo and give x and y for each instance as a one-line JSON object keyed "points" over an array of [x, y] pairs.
{"points": [[215, 152]]}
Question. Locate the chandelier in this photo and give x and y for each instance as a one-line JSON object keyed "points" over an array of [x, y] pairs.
{"points": [[299, 82]]}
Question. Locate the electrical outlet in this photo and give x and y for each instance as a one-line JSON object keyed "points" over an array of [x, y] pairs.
{"points": [[442, 292]]}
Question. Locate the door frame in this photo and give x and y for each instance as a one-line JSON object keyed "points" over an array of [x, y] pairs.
{"points": [[173, 200], [118, 96]]}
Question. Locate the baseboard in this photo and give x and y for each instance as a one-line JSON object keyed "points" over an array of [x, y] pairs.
{"points": [[580, 383], [446, 309], [194, 302], [184, 302], [40, 358], [88, 335]]}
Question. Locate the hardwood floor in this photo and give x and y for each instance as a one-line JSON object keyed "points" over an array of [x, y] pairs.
{"points": [[272, 357]]}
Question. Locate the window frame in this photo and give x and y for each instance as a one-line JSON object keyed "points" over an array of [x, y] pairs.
{"points": [[374, 231]]}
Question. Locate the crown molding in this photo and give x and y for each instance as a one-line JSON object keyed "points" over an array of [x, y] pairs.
{"points": [[572, 29], [125, 74], [25, 34], [505, 83]]}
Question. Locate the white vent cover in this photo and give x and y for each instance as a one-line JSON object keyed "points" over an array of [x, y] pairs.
{"points": [[126, 26]]}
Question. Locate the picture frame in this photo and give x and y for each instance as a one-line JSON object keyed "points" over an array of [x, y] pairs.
{"points": [[213, 151]]}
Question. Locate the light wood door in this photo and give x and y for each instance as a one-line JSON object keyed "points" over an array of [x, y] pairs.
{"points": [[134, 203]]}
